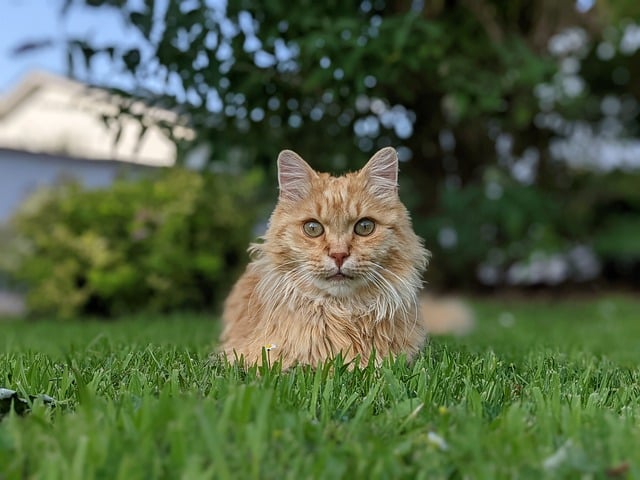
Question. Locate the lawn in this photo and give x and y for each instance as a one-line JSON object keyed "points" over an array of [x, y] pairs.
{"points": [[541, 389]]}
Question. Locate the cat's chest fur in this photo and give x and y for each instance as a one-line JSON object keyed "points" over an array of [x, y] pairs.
{"points": [[309, 330], [325, 326]]}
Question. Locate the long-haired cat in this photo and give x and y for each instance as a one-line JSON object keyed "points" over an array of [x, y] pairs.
{"points": [[339, 271]]}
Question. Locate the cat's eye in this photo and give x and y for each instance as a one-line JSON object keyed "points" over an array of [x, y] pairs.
{"points": [[313, 229], [364, 227]]}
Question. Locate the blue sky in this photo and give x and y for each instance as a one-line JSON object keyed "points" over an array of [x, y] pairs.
{"points": [[30, 20]]}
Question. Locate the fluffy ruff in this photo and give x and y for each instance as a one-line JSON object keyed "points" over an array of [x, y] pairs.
{"points": [[270, 309]]}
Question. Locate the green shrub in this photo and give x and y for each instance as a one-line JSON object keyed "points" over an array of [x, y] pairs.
{"points": [[175, 241], [500, 223], [610, 205]]}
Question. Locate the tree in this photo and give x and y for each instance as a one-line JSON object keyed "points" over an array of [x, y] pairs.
{"points": [[333, 80], [447, 82]]}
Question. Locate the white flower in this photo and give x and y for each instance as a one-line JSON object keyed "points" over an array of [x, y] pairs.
{"points": [[437, 441], [557, 458]]}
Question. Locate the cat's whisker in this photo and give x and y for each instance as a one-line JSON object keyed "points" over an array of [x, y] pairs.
{"points": [[411, 284], [389, 303], [281, 287], [408, 288]]}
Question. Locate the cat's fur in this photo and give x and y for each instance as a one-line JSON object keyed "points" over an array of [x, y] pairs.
{"points": [[286, 298]]}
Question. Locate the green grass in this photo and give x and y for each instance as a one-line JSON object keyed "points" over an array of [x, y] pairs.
{"points": [[539, 390]]}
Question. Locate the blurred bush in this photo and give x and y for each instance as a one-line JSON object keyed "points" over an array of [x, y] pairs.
{"points": [[613, 205], [500, 222], [175, 241], [501, 232]]}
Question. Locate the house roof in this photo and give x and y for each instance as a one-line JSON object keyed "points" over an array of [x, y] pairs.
{"points": [[50, 114]]}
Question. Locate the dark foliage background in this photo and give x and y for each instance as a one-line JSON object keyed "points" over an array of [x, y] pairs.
{"points": [[516, 122]]}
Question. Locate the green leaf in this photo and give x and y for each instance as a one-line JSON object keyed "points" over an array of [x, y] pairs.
{"points": [[619, 238]]}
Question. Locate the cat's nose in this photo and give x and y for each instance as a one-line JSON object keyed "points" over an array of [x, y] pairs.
{"points": [[339, 258]]}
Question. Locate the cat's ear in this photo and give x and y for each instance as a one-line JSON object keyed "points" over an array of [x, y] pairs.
{"points": [[294, 176], [381, 172]]}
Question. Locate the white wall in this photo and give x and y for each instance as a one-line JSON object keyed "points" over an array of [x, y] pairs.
{"points": [[23, 172]]}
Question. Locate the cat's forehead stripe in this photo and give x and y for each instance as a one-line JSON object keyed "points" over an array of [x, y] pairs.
{"points": [[340, 199]]}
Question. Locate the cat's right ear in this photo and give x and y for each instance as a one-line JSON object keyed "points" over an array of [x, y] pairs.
{"points": [[381, 172], [294, 176]]}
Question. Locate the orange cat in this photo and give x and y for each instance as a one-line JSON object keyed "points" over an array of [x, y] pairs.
{"points": [[339, 271]]}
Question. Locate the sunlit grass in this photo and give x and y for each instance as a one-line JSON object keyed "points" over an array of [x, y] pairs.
{"points": [[539, 389]]}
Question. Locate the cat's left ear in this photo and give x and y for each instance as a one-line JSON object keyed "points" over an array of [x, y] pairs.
{"points": [[294, 176], [381, 172]]}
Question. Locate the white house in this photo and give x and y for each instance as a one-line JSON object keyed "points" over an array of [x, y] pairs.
{"points": [[52, 127]]}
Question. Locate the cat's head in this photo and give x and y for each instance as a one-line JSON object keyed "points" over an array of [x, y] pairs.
{"points": [[338, 235]]}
